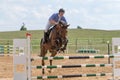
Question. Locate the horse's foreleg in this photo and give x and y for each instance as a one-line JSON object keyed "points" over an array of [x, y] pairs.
{"points": [[65, 45]]}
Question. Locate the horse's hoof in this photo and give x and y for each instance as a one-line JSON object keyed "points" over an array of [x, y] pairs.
{"points": [[59, 51], [32, 59], [49, 71]]}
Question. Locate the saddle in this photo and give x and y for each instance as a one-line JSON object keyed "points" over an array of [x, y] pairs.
{"points": [[49, 31]]}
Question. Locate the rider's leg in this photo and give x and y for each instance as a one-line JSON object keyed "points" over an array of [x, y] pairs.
{"points": [[45, 37], [46, 32]]}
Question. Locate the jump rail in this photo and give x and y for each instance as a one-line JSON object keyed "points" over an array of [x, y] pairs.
{"points": [[73, 66]]}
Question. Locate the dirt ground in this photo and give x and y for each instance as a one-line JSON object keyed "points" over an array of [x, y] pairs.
{"points": [[6, 68]]}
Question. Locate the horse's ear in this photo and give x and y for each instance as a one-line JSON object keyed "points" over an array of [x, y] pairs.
{"points": [[67, 25]]}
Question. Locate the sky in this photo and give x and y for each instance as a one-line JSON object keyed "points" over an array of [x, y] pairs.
{"points": [[88, 14]]}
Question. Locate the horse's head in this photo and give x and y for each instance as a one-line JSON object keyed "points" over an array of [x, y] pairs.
{"points": [[61, 25], [63, 28]]}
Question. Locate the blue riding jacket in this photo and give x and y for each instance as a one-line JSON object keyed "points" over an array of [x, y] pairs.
{"points": [[55, 17]]}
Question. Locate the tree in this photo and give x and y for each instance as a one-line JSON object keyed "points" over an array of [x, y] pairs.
{"points": [[23, 28], [78, 27]]}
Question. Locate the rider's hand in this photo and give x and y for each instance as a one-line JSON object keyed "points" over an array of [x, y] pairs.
{"points": [[53, 22], [56, 23], [63, 22]]}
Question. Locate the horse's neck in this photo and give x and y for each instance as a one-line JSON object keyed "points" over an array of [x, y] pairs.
{"points": [[53, 33]]}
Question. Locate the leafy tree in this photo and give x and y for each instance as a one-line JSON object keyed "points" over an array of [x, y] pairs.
{"points": [[23, 28], [78, 27]]}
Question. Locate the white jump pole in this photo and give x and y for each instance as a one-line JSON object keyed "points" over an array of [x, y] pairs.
{"points": [[28, 56]]}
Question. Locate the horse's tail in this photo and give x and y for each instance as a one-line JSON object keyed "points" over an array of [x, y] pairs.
{"points": [[41, 42]]}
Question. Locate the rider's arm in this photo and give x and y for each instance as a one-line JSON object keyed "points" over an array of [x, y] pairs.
{"points": [[52, 22], [63, 19], [52, 19]]}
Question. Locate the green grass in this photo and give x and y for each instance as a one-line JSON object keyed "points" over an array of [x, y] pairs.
{"points": [[72, 34], [78, 38]]}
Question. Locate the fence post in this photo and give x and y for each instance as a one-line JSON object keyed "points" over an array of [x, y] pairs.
{"points": [[76, 43], [28, 56], [108, 45]]}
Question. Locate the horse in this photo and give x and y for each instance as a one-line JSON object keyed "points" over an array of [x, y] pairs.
{"points": [[57, 42]]}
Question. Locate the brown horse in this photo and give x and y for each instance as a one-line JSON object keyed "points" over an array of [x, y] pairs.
{"points": [[57, 42]]}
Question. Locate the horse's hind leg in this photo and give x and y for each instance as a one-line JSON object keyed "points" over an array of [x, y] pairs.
{"points": [[52, 55], [42, 54], [43, 63]]}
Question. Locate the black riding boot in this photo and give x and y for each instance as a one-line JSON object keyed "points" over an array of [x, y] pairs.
{"points": [[45, 37]]}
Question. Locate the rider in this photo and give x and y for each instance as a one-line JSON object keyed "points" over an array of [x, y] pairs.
{"points": [[53, 20]]}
